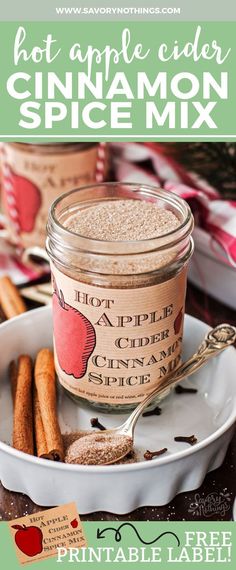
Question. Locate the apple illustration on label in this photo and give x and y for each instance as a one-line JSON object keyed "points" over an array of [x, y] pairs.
{"points": [[29, 539], [74, 523], [74, 337], [178, 321], [27, 201]]}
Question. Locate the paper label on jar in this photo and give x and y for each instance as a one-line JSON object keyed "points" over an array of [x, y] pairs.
{"points": [[44, 534], [116, 345], [33, 180]]}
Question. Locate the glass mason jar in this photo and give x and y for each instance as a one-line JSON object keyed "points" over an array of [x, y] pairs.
{"points": [[118, 306]]}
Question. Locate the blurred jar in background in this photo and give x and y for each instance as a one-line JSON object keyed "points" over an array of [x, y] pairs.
{"points": [[34, 175]]}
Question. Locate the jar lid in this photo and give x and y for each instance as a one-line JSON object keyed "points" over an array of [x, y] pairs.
{"points": [[56, 148]]}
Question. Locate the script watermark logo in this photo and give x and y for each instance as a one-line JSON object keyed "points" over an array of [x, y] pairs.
{"points": [[213, 504]]}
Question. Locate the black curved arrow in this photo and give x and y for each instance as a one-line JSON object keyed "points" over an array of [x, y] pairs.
{"points": [[118, 537]]}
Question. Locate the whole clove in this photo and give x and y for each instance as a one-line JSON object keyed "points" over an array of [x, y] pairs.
{"points": [[155, 412], [96, 424], [148, 455], [191, 439], [182, 390]]}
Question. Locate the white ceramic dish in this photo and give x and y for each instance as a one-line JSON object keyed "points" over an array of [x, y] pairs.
{"points": [[209, 414], [209, 272]]}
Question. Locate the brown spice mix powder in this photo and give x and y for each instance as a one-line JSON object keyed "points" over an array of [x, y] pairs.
{"points": [[123, 220], [98, 448]]}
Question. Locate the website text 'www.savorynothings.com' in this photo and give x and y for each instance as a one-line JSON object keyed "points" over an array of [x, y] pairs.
{"points": [[116, 11]]}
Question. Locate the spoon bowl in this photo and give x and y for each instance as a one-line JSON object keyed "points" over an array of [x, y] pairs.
{"points": [[215, 341]]}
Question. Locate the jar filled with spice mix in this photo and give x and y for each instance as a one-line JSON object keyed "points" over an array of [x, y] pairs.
{"points": [[34, 175], [119, 255]]}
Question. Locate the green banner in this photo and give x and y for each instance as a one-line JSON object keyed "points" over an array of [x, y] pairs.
{"points": [[168, 545], [107, 78], [128, 81]]}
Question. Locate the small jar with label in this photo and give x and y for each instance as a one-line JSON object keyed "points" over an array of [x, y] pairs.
{"points": [[34, 175], [119, 255]]}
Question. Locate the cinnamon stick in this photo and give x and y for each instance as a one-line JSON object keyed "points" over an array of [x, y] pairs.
{"points": [[45, 381], [39, 433], [13, 372], [2, 316], [23, 414], [10, 298]]}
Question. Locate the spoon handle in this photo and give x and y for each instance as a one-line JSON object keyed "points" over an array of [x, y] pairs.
{"points": [[215, 341]]}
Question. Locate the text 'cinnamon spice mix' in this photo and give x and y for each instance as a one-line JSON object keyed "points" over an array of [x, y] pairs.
{"points": [[119, 254]]}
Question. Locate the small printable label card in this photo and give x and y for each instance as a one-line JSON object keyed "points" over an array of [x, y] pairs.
{"points": [[38, 536]]}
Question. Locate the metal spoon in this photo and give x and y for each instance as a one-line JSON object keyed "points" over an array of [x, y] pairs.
{"points": [[215, 341]]}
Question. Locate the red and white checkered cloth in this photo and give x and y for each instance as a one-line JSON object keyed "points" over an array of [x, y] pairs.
{"points": [[147, 164]]}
